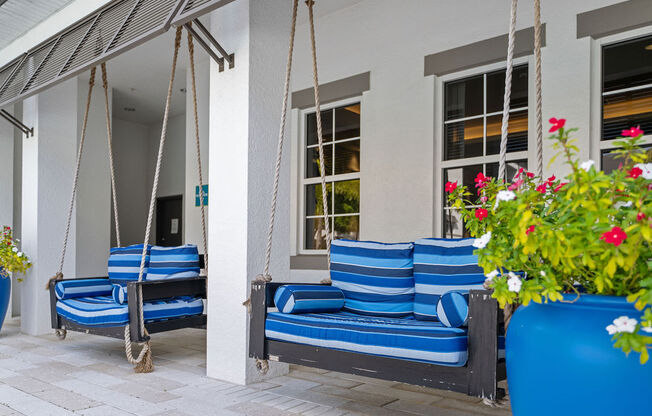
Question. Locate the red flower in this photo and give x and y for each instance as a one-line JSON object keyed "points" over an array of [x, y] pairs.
{"points": [[561, 185], [515, 185], [635, 172], [451, 186], [529, 229], [633, 132], [481, 213], [542, 188], [556, 124], [614, 236], [529, 175], [520, 170], [551, 179], [481, 180], [640, 216]]}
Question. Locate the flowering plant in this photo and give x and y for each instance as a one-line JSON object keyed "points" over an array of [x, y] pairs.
{"points": [[11, 259], [590, 232]]}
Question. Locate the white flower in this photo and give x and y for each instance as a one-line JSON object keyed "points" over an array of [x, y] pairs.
{"points": [[490, 276], [542, 273], [19, 254], [482, 241], [14, 249], [624, 324], [514, 283], [621, 204], [612, 330], [647, 170], [647, 329], [587, 165], [505, 196]]}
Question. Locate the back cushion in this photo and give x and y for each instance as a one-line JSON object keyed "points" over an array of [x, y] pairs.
{"points": [[124, 263], [173, 262], [308, 299], [376, 278], [442, 265]]}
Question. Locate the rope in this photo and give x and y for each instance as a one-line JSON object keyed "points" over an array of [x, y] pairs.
{"points": [[537, 62], [80, 150], [144, 361], [191, 55], [508, 91], [109, 138]]}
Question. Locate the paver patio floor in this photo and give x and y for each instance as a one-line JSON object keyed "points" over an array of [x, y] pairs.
{"points": [[89, 375]]}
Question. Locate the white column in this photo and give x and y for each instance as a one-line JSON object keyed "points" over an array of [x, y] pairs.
{"points": [[244, 114], [6, 178]]}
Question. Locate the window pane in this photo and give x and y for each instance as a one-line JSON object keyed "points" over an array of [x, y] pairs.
{"points": [[347, 122], [496, 89], [314, 205], [464, 98], [516, 132], [347, 197], [610, 161], [627, 64], [463, 139], [625, 110], [312, 161], [347, 227], [512, 167], [453, 224], [316, 234], [463, 175], [347, 157], [326, 126]]}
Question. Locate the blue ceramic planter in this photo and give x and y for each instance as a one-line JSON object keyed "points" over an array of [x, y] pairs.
{"points": [[561, 361], [5, 291]]}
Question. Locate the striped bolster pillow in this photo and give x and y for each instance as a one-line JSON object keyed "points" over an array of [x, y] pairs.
{"points": [[124, 263], [80, 288], [308, 299], [119, 293], [453, 309], [442, 265], [173, 262], [376, 278]]}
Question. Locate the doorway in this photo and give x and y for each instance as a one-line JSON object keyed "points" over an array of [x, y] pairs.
{"points": [[169, 220]]}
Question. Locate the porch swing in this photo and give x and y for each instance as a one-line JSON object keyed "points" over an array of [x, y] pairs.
{"points": [[309, 329], [172, 301]]}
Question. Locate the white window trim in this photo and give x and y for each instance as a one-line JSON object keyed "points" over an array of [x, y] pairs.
{"points": [[300, 217], [441, 164], [597, 144]]}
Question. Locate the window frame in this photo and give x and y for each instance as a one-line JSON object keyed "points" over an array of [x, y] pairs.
{"points": [[303, 181]]}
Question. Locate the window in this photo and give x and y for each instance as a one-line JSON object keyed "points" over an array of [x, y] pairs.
{"points": [[341, 136], [626, 86], [609, 161]]}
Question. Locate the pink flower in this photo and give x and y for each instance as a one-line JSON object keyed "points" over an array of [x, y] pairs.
{"points": [[484, 199], [481, 213], [561, 185], [529, 175], [515, 185], [635, 172], [614, 236], [640, 216], [556, 124], [451, 186], [481, 180], [542, 188], [633, 132], [530, 229]]}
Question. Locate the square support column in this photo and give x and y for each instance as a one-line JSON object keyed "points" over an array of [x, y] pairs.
{"points": [[245, 108]]}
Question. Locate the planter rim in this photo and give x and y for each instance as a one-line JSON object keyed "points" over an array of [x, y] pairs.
{"points": [[599, 301]]}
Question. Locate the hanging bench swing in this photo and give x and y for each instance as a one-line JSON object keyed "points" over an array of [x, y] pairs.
{"points": [[343, 342], [151, 305]]}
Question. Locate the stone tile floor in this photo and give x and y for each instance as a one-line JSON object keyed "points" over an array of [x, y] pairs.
{"points": [[88, 375]]}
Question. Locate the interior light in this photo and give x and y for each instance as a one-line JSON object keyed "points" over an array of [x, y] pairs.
{"points": [[649, 47]]}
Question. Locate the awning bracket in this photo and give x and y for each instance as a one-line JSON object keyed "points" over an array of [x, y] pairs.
{"points": [[205, 38], [27, 131]]}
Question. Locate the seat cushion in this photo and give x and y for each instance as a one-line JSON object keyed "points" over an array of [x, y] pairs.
{"points": [[404, 338], [124, 263], [173, 262], [102, 311], [308, 298], [443, 265], [376, 278], [80, 288], [453, 309]]}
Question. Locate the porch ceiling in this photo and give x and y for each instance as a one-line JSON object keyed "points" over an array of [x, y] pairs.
{"points": [[19, 16]]}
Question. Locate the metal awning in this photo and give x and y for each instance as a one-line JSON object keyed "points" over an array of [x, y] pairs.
{"points": [[111, 30]]}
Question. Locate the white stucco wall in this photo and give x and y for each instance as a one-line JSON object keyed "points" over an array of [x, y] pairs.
{"points": [[6, 174]]}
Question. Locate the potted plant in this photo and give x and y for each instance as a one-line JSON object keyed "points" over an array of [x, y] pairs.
{"points": [[576, 254], [11, 260]]}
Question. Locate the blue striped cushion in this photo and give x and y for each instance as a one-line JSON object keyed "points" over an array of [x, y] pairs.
{"points": [[404, 338], [442, 265], [173, 262], [80, 288], [119, 293], [453, 309], [102, 311], [124, 263], [376, 278], [308, 298]]}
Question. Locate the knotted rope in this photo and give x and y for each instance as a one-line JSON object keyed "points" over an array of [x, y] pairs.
{"points": [[71, 206], [109, 138], [508, 92], [537, 83]]}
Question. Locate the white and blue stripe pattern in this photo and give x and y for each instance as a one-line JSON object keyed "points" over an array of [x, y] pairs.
{"points": [[453, 309], [308, 298], [80, 288], [376, 278], [124, 263], [119, 293], [173, 262], [102, 311], [403, 338], [440, 266]]}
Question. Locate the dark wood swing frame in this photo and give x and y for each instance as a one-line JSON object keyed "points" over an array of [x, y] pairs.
{"points": [[152, 290], [479, 377]]}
